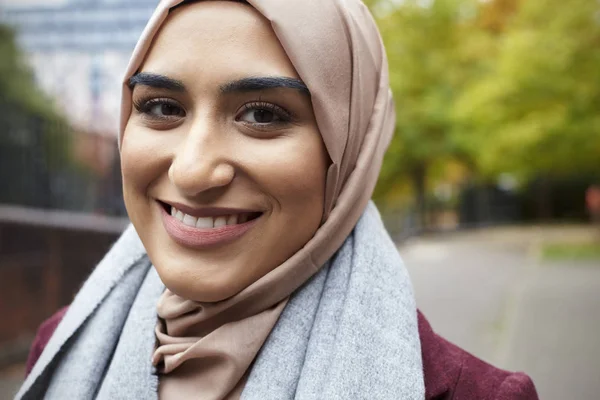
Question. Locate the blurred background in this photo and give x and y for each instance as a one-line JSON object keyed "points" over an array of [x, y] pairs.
{"points": [[491, 186]]}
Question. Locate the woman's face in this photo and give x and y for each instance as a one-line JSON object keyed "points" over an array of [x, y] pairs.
{"points": [[223, 164]]}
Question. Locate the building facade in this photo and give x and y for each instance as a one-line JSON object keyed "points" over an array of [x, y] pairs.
{"points": [[78, 50]]}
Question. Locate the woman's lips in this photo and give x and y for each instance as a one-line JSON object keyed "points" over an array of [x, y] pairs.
{"points": [[201, 236]]}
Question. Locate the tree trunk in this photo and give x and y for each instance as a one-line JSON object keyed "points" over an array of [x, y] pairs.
{"points": [[544, 200], [418, 175]]}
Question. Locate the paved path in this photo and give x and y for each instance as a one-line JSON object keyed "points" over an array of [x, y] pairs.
{"points": [[490, 293]]}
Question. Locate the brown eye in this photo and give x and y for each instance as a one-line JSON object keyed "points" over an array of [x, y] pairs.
{"points": [[165, 110], [259, 116], [263, 114], [160, 108]]}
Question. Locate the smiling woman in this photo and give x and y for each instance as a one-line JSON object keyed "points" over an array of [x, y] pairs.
{"points": [[251, 137], [229, 141]]}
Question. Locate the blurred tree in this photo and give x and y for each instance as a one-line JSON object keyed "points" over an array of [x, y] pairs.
{"points": [[33, 137], [425, 43], [17, 85], [535, 111], [499, 86], [495, 15]]}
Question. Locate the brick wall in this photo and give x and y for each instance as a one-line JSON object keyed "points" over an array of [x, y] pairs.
{"points": [[44, 259]]}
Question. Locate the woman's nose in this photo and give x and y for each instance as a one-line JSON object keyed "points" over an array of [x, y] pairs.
{"points": [[201, 164]]}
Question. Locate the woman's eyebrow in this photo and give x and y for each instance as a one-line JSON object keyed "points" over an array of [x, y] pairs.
{"points": [[156, 81], [254, 84]]}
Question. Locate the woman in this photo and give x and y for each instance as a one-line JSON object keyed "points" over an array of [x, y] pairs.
{"points": [[251, 139]]}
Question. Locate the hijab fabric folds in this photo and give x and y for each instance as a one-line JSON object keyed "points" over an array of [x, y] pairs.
{"points": [[336, 49]]}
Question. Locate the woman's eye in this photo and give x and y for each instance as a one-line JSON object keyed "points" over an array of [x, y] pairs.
{"points": [[263, 115], [160, 109], [165, 110], [259, 116]]}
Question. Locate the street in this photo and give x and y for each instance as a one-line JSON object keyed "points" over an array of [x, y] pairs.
{"points": [[490, 292]]}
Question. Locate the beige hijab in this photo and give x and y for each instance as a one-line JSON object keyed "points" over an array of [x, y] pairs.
{"points": [[207, 348]]}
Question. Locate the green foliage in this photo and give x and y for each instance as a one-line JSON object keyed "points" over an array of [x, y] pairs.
{"points": [[424, 47], [26, 108], [498, 85], [34, 139], [571, 251], [16, 80], [535, 111]]}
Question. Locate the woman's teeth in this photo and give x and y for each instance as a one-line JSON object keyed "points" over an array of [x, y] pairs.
{"points": [[210, 222]]}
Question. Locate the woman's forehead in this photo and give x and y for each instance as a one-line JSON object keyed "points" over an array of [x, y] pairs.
{"points": [[197, 42]]}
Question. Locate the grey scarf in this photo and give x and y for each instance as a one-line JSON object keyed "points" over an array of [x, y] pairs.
{"points": [[349, 333]]}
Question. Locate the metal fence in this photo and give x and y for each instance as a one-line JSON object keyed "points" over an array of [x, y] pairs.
{"points": [[39, 167]]}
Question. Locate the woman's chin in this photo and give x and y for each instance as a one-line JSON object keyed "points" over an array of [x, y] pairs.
{"points": [[192, 286]]}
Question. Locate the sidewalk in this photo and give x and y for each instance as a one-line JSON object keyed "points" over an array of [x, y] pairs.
{"points": [[489, 292], [556, 330]]}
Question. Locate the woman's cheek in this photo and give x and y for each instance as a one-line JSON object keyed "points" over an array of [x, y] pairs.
{"points": [[292, 170], [143, 160]]}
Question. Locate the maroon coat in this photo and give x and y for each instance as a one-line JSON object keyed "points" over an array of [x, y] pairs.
{"points": [[450, 372]]}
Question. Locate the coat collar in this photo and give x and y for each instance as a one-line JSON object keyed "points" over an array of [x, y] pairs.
{"points": [[441, 367]]}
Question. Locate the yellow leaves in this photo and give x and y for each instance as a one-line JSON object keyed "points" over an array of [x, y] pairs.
{"points": [[508, 85], [496, 15]]}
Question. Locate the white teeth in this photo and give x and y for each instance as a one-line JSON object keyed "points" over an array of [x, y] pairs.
{"points": [[206, 222], [220, 221], [189, 220], [209, 222]]}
